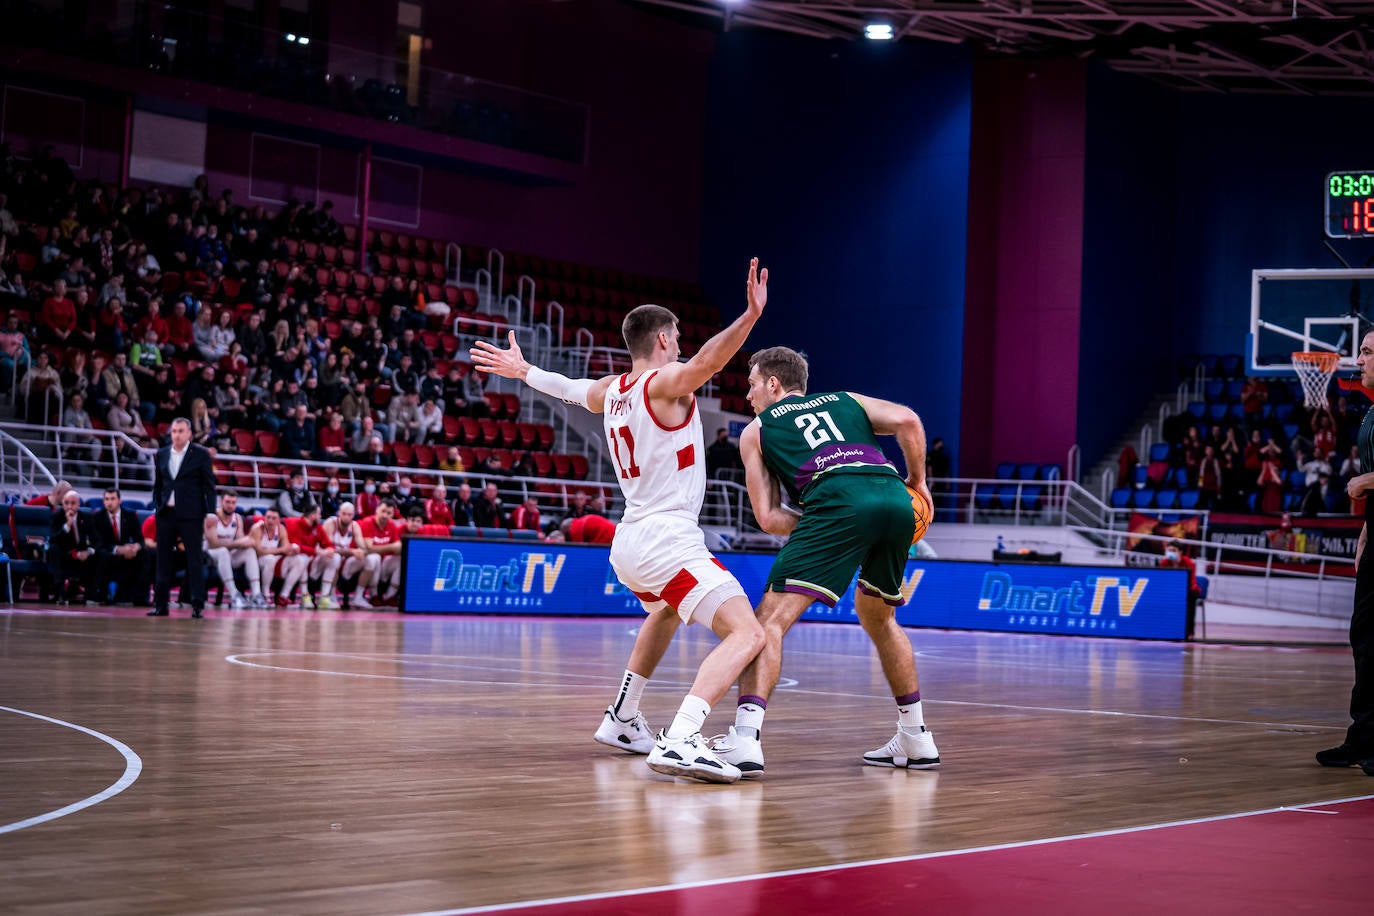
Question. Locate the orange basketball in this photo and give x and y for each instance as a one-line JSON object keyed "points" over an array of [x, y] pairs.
{"points": [[923, 510]]}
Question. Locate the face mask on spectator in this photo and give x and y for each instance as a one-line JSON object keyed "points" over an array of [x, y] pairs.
{"points": [[1171, 554], [332, 489], [404, 491], [369, 488]]}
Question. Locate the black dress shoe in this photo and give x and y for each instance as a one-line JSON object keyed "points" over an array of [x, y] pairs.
{"points": [[196, 612], [1342, 756], [156, 613], [1368, 766]]}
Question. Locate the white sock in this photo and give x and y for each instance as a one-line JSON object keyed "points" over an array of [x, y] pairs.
{"points": [[910, 717], [749, 719], [627, 700], [690, 717]]}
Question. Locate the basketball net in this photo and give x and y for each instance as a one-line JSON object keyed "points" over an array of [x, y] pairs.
{"points": [[1314, 371]]}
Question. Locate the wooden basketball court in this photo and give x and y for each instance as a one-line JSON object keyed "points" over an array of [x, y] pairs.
{"points": [[255, 762]]}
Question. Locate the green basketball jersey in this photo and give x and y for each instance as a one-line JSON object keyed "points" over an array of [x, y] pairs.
{"points": [[804, 437]]}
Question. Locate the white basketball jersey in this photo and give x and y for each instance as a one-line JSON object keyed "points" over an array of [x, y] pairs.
{"points": [[343, 536], [226, 531], [271, 540], [662, 469]]}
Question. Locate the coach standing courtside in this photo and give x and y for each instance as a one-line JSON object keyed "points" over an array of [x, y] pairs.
{"points": [[1358, 747], [183, 494]]}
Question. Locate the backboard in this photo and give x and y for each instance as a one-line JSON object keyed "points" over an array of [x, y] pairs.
{"points": [[1313, 310]]}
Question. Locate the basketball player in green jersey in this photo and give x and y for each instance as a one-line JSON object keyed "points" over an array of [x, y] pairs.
{"points": [[822, 450]]}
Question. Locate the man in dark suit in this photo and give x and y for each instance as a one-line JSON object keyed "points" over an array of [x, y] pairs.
{"points": [[70, 549], [183, 494], [120, 557]]}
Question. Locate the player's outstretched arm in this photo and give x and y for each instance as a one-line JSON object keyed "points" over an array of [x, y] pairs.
{"points": [[764, 493], [681, 379], [511, 363], [891, 419]]}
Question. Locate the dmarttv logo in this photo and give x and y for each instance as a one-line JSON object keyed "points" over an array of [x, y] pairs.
{"points": [[1001, 593], [521, 575]]}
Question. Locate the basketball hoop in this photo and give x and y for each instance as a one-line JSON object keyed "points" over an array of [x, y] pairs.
{"points": [[1314, 371]]}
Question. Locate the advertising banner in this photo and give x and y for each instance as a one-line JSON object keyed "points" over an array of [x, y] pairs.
{"points": [[451, 576]]}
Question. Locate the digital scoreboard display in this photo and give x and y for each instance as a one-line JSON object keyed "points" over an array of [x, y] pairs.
{"points": [[1350, 205]]}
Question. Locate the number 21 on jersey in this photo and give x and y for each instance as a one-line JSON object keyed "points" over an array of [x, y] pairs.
{"points": [[816, 436]]}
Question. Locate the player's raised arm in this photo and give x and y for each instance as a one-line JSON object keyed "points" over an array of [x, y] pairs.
{"points": [[764, 491], [682, 379], [511, 363]]}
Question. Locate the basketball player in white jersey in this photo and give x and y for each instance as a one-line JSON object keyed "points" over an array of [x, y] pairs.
{"points": [[659, 553], [276, 554], [342, 554], [229, 547]]}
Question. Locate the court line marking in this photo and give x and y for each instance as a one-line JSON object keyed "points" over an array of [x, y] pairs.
{"points": [[241, 659], [848, 866], [133, 766]]}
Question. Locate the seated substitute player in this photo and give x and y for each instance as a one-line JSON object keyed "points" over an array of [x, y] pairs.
{"points": [[229, 547], [653, 428], [342, 555], [277, 556], [856, 512], [382, 540], [304, 533]]}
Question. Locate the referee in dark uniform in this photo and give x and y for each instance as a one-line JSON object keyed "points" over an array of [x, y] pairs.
{"points": [[1358, 747]]}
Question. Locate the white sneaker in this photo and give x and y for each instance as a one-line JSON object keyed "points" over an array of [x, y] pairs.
{"points": [[237, 602], [911, 750], [691, 758], [326, 603], [307, 603], [359, 602], [742, 751], [633, 736], [258, 601]]}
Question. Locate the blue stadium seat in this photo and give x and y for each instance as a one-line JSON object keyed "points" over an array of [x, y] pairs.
{"points": [[1233, 389], [1180, 478], [463, 531], [1290, 431], [1292, 502], [1198, 409], [1006, 470], [984, 497], [1282, 412], [1218, 411], [1143, 499], [1166, 499], [1187, 499], [1051, 472], [1159, 451], [493, 534], [1006, 497], [136, 505], [1214, 391], [522, 534], [1031, 499], [1121, 498], [1139, 476], [1297, 481], [1232, 365], [1027, 471], [93, 503]]}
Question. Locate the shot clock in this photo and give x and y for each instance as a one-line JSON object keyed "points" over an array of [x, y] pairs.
{"points": [[1350, 205]]}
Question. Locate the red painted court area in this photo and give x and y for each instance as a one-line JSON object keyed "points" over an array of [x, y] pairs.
{"points": [[1311, 859]]}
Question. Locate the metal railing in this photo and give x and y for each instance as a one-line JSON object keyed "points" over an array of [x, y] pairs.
{"points": [[21, 471]]}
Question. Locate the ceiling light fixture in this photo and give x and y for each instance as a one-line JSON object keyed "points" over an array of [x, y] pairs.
{"points": [[878, 31]]}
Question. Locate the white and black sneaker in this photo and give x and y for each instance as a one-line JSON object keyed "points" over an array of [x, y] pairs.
{"points": [[691, 758], [633, 735], [909, 750], [744, 751]]}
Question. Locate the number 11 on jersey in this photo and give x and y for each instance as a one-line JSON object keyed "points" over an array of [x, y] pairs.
{"points": [[627, 468]]}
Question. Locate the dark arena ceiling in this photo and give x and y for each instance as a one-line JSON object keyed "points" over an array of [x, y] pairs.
{"points": [[1307, 47]]}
